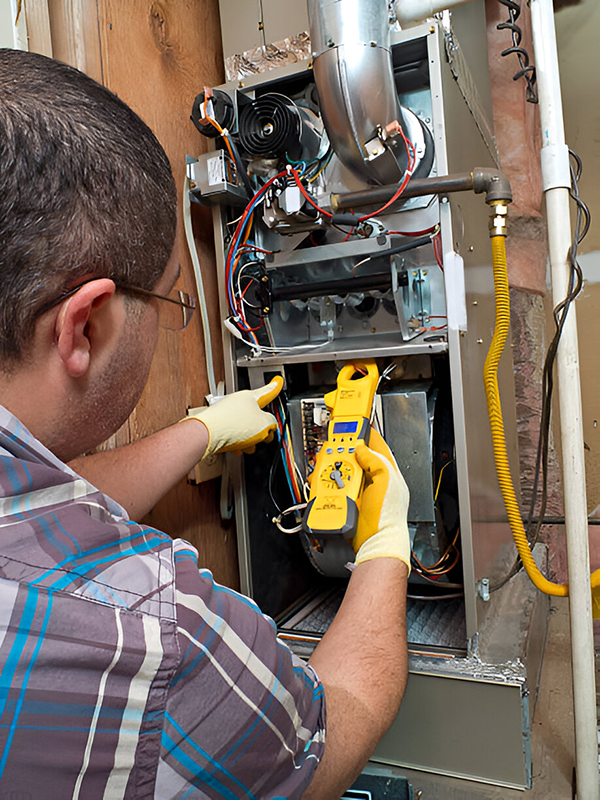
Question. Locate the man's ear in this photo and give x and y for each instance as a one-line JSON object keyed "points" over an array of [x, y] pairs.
{"points": [[72, 328]]}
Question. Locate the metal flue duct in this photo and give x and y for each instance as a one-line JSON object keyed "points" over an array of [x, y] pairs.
{"points": [[359, 104]]}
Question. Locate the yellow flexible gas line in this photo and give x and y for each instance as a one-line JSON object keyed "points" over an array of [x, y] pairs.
{"points": [[490, 377]]}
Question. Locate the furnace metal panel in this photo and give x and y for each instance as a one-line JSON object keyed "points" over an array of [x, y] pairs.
{"points": [[408, 423], [465, 728]]}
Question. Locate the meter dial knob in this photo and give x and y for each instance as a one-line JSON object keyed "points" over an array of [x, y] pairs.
{"points": [[337, 476]]}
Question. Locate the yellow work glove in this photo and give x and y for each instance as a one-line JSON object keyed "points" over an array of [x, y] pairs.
{"points": [[237, 423], [382, 530]]}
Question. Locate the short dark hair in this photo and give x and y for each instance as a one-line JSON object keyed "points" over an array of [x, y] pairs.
{"points": [[86, 190]]}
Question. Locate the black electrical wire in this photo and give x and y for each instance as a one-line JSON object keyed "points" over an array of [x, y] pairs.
{"points": [[250, 279], [435, 596], [582, 226], [527, 70], [561, 521], [274, 465]]}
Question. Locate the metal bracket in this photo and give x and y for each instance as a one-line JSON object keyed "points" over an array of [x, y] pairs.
{"points": [[483, 589], [412, 296], [327, 316]]}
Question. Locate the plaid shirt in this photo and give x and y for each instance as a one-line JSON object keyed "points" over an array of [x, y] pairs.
{"points": [[126, 672]]}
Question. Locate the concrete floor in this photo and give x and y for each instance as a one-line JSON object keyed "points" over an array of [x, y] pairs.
{"points": [[552, 733]]}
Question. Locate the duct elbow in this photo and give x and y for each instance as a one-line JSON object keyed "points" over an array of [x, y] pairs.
{"points": [[359, 104]]}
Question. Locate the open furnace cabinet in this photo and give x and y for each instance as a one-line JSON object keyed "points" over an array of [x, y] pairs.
{"points": [[422, 305]]}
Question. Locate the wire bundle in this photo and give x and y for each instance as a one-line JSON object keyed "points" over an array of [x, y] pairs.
{"points": [[296, 485], [527, 70], [290, 468], [312, 168], [238, 247], [451, 555]]}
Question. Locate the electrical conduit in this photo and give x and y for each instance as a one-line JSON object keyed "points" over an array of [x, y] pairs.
{"points": [[189, 235], [556, 182]]}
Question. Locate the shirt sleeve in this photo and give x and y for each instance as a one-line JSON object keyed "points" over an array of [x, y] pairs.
{"points": [[245, 718]]}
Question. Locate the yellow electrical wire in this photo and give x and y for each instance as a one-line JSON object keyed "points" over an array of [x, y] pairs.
{"points": [[316, 175], [490, 377], [437, 488]]}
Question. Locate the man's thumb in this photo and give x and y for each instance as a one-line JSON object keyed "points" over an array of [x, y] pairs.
{"points": [[266, 394]]}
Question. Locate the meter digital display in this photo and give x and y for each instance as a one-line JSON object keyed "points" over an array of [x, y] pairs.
{"points": [[345, 427]]}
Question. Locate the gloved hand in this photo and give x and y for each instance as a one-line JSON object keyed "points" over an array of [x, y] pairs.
{"points": [[237, 422], [382, 530]]}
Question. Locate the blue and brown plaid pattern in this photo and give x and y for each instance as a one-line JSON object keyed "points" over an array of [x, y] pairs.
{"points": [[125, 671]]}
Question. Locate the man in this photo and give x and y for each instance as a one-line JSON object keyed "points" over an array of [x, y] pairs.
{"points": [[126, 672]]}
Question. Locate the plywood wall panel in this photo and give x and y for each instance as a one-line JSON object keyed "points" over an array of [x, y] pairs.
{"points": [[157, 56], [75, 33]]}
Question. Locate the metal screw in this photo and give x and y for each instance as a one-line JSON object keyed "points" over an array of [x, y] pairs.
{"points": [[266, 310], [373, 44], [264, 279], [373, 330], [474, 301], [479, 341], [241, 85], [444, 199], [471, 248]]}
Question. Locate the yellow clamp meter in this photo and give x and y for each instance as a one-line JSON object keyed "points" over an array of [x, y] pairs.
{"points": [[337, 480]]}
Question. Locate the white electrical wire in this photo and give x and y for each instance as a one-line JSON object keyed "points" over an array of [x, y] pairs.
{"points": [[258, 348], [291, 510], [189, 235]]}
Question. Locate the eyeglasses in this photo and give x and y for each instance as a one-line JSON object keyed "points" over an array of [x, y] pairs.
{"points": [[174, 316]]}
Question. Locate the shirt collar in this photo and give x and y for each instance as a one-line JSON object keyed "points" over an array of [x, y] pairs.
{"points": [[17, 441]]}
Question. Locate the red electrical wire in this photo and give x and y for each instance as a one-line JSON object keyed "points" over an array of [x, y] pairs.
{"points": [[231, 262], [306, 194], [291, 469], [437, 250], [412, 233], [254, 248], [410, 152]]}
